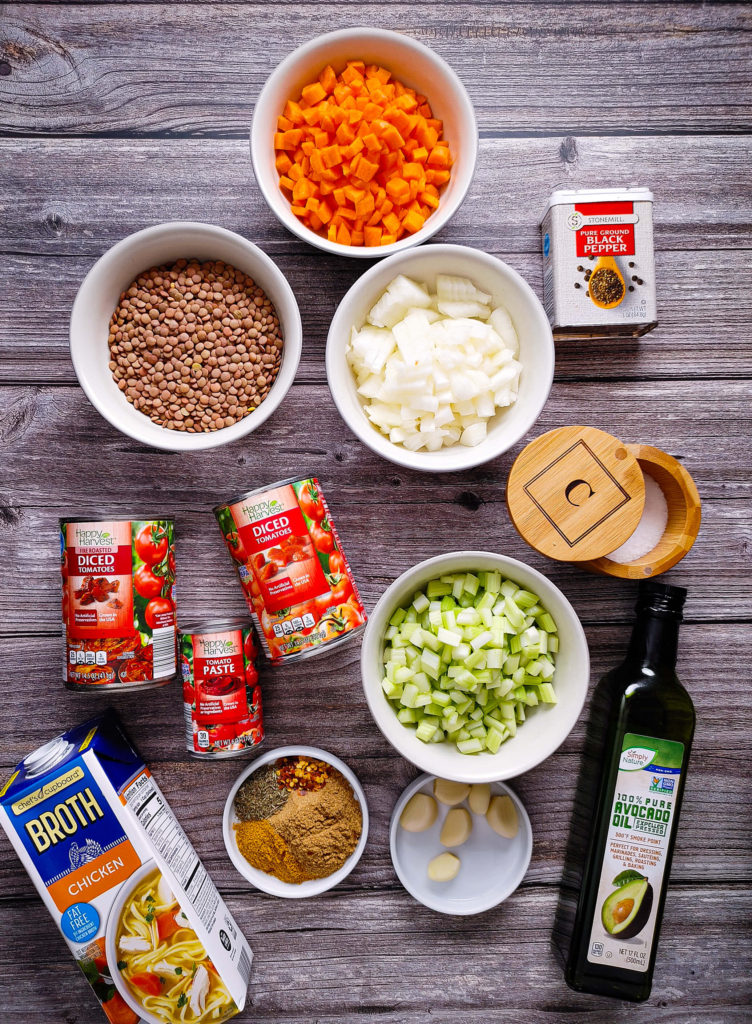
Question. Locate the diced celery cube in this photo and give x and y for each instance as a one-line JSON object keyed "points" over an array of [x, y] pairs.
{"points": [[430, 663], [409, 695], [441, 698], [407, 716], [472, 745], [438, 589], [471, 584], [398, 617], [425, 732], [446, 636], [420, 602], [494, 739], [525, 599], [546, 693], [481, 640]]}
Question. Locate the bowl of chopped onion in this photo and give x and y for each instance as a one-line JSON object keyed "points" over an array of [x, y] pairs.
{"points": [[440, 358], [475, 666]]}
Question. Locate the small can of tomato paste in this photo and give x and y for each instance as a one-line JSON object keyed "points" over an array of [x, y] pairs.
{"points": [[119, 626], [294, 573], [221, 693]]}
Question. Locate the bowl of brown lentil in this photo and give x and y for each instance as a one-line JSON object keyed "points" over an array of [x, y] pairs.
{"points": [[185, 336], [295, 822]]}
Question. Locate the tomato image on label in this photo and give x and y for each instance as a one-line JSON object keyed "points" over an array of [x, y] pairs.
{"points": [[295, 574]]}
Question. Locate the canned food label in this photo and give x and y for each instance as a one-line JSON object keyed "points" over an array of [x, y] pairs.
{"points": [[118, 602], [100, 598], [295, 576], [219, 676], [282, 555], [221, 695]]}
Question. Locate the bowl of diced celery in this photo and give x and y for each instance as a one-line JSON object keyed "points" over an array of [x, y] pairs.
{"points": [[475, 666]]}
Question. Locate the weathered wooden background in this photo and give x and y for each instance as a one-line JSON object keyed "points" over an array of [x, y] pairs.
{"points": [[115, 116]]}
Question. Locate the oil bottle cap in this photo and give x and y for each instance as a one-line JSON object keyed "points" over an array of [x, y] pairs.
{"points": [[575, 493], [660, 597]]}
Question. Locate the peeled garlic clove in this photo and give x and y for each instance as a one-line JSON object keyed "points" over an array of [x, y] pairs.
{"points": [[456, 828], [502, 816], [444, 867], [419, 813], [450, 793], [480, 797]]}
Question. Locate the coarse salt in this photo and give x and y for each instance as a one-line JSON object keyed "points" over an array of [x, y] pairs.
{"points": [[650, 528]]}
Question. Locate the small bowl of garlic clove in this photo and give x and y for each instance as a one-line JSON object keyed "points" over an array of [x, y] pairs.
{"points": [[460, 848]]}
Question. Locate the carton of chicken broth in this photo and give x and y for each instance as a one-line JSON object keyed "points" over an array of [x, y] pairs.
{"points": [[122, 881]]}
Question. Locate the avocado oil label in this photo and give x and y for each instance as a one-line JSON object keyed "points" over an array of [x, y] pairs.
{"points": [[634, 860]]}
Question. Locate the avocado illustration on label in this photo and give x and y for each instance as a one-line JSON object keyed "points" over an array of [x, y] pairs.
{"points": [[626, 910]]}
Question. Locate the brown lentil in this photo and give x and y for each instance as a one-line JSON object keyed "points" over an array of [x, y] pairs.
{"points": [[176, 320]]}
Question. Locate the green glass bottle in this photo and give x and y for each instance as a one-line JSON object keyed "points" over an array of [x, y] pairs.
{"points": [[639, 740]]}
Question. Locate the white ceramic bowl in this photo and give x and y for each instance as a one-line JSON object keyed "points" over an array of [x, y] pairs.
{"points": [[508, 289], [117, 269], [547, 726], [491, 866], [410, 62], [270, 883], [111, 951]]}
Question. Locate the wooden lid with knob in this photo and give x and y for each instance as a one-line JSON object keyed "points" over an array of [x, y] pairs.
{"points": [[575, 493]]}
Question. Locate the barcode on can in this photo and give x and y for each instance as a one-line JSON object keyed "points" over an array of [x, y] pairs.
{"points": [[164, 640]]}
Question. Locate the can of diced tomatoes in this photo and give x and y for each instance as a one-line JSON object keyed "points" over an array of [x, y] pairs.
{"points": [[221, 693], [118, 603], [294, 573]]}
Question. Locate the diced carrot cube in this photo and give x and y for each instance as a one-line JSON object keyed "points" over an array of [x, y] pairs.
{"points": [[365, 169], [412, 170], [428, 200], [343, 235], [283, 124], [413, 222], [313, 93], [328, 79], [283, 163], [356, 238], [388, 239], [331, 156], [324, 211], [286, 182], [392, 223]]}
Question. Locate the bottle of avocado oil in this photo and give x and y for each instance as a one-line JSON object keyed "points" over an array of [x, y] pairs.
{"points": [[639, 739]]}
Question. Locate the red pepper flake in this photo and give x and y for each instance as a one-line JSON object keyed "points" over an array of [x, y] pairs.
{"points": [[302, 773]]}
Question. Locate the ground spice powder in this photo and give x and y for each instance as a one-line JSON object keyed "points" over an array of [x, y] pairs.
{"points": [[264, 848], [321, 828]]}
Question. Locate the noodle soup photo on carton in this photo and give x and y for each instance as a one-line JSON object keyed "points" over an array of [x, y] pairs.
{"points": [[122, 881]]}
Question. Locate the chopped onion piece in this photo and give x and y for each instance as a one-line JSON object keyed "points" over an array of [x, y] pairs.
{"points": [[433, 369]]}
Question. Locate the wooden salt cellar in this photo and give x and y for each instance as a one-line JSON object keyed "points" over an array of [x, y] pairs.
{"points": [[684, 514], [577, 493]]}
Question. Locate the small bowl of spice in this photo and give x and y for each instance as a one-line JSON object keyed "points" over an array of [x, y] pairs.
{"points": [[296, 822], [185, 336]]}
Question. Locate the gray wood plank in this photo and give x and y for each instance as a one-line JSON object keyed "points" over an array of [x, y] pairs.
{"points": [[418, 968], [701, 331], [67, 193], [123, 74], [296, 698]]}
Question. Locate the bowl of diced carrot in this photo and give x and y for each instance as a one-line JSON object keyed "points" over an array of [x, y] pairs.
{"points": [[364, 142]]}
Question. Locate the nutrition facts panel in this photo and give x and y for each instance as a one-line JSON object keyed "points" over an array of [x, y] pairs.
{"points": [[145, 800]]}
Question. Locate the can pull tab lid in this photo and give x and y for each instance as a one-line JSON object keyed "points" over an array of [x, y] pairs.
{"points": [[47, 756], [575, 493]]}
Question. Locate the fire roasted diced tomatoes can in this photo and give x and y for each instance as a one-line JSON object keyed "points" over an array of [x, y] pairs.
{"points": [[221, 692], [294, 573], [118, 603]]}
